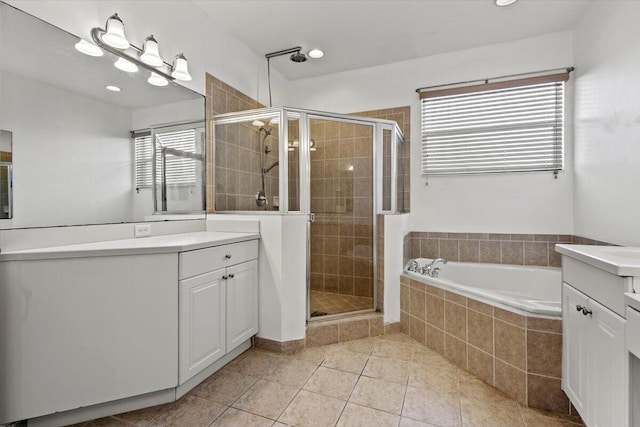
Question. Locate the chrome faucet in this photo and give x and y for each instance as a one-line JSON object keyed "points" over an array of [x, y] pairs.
{"points": [[413, 266], [431, 270]]}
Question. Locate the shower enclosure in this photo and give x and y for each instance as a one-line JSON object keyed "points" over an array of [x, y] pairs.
{"points": [[341, 171]]}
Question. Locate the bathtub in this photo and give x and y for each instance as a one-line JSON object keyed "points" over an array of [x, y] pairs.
{"points": [[526, 290]]}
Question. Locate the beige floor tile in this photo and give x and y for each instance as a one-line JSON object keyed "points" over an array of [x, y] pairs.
{"points": [[254, 362], [106, 422], [234, 417], [266, 398], [143, 417], [361, 416], [379, 394], [312, 354], [483, 414], [393, 370], [332, 382], [434, 378], [476, 389], [291, 372], [408, 422], [190, 411], [431, 358], [432, 407], [363, 345], [393, 350], [224, 386], [544, 418], [346, 360], [312, 410]]}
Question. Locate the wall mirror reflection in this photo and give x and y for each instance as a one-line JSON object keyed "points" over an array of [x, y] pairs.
{"points": [[75, 120], [6, 180]]}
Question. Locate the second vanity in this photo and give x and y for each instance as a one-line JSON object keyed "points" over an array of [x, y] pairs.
{"points": [[598, 282], [99, 328]]}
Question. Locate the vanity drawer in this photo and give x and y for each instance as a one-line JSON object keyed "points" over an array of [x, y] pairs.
{"points": [[193, 263]]}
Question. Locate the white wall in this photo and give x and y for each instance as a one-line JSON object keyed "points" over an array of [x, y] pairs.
{"points": [[179, 26], [512, 203], [607, 123], [70, 165]]}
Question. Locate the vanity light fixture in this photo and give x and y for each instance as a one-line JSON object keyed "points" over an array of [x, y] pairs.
{"points": [[88, 48], [503, 3], [157, 80], [114, 33], [112, 39], [127, 66], [315, 53], [150, 53], [113, 88]]}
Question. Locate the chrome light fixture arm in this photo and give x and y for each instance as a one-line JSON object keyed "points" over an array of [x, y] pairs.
{"points": [[96, 35]]}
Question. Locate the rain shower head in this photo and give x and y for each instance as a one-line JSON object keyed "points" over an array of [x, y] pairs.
{"points": [[298, 57]]}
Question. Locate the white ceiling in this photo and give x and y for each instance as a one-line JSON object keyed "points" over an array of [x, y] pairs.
{"points": [[359, 33]]}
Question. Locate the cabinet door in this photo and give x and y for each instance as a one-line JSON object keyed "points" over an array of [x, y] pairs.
{"points": [[575, 348], [242, 303], [202, 322], [608, 373]]}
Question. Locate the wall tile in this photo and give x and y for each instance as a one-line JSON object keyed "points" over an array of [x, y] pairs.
{"points": [[469, 250], [480, 331], [545, 393], [535, 253], [480, 307], [512, 253], [455, 350], [509, 317], [544, 353], [510, 345], [321, 335], [435, 339], [544, 325], [480, 364], [417, 303], [417, 330], [435, 311], [511, 381], [455, 320], [449, 250]]}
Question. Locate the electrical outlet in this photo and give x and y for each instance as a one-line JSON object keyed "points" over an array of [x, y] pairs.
{"points": [[142, 230]]}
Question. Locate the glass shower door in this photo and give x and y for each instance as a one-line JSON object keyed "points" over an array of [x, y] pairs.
{"points": [[341, 201]]}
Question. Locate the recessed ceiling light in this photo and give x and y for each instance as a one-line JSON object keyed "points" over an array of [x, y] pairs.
{"points": [[113, 88], [88, 48], [503, 3], [317, 53]]}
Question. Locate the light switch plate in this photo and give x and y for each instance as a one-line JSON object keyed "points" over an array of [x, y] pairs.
{"points": [[142, 230]]}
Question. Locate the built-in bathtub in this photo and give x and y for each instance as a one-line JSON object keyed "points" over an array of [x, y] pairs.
{"points": [[499, 322], [526, 290]]}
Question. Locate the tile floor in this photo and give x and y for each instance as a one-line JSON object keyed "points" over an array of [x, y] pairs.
{"points": [[374, 382], [332, 303]]}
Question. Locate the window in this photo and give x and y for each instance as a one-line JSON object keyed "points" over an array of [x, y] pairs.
{"points": [[180, 169], [496, 127]]}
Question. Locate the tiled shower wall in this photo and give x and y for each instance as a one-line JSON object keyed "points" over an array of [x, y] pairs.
{"points": [[341, 199], [233, 153]]}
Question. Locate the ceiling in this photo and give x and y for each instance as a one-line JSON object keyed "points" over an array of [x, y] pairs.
{"points": [[357, 33]]}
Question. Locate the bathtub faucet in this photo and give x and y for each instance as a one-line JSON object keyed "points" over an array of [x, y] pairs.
{"points": [[431, 269], [413, 266]]}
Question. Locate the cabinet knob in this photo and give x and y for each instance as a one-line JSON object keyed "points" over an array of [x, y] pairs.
{"points": [[586, 312], [231, 276], [227, 256], [579, 307], [225, 277]]}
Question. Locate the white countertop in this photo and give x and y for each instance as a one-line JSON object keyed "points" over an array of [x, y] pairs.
{"points": [[137, 246], [619, 260]]}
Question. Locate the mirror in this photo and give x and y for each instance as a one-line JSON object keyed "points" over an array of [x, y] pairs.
{"points": [[5, 174], [79, 154]]}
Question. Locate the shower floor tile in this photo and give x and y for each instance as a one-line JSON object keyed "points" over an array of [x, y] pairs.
{"points": [[332, 397], [332, 303]]}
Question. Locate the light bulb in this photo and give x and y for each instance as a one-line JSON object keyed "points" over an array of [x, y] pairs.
{"points": [[180, 70], [316, 53], [114, 34], [88, 48], [150, 53], [124, 65], [113, 88], [157, 80]]}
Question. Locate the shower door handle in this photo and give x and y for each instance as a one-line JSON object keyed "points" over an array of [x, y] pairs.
{"points": [[312, 217]]}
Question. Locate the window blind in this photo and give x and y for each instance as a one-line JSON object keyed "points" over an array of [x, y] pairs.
{"points": [[504, 129], [180, 170]]}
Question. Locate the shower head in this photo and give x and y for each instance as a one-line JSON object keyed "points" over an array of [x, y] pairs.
{"points": [[298, 57]]}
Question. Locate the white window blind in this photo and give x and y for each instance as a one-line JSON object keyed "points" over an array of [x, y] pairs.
{"points": [[180, 170], [508, 129]]}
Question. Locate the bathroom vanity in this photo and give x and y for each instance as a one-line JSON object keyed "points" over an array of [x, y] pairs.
{"points": [[106, 327], [595, 362]]}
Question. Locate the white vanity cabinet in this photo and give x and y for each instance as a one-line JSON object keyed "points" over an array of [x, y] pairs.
{"points": [[218, 303], [594, 359]]}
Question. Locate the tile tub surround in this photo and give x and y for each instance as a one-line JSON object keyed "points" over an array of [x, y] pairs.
{"points": [[387, 381], [519, 355], [516, 249]]}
